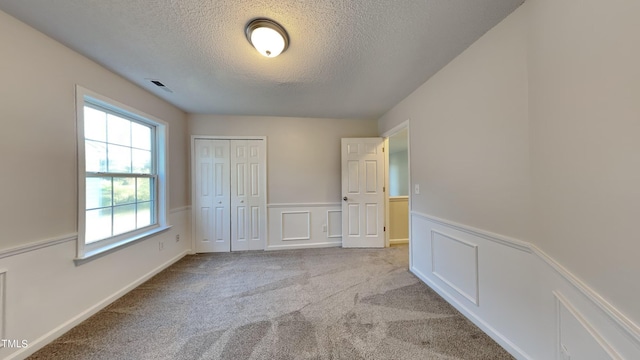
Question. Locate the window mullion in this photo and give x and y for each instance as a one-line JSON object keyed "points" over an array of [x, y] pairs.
{"points": [[127, 175], [130, 148], [106, 136], [112, 206]]}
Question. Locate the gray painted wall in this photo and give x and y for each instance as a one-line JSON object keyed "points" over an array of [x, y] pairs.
{"points": [[48, 293], [532, 133], [38, 138], [303, 154]]}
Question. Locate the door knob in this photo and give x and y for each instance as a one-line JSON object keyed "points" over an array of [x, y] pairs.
{"points": [[241, 201], [344, 198]]}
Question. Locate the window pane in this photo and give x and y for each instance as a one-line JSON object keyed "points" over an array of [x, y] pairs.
{"points": [[124, 219], [98, 225], [95, 156], [124, 191], [95, 124], [145, 190], [116, 142], [141, 161], [98, 192], [119, 159], [140, 136], [119, 130], [144, 215]]}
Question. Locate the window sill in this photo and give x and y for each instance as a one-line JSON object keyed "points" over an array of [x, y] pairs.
{"points": [[107, 249]]}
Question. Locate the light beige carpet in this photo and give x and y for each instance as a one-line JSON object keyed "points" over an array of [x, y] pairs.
{"points": [[301, 304]]}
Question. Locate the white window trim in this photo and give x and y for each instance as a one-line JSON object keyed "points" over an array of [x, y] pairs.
{"points": [[102, 247]]}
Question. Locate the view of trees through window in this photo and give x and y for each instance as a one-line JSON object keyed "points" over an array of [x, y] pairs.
{"points": [[120, 176]]}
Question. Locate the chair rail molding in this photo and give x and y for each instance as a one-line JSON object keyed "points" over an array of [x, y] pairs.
{"points": [[501, 239], [36, 245], [517, 278]]}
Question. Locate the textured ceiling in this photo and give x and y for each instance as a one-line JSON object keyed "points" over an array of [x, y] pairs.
{"points": [[347, 58]]}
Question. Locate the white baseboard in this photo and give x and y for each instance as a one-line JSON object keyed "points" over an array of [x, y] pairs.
{"points": [[479, 322], [47, 294], [63, 328], [517, 287], [305, 246], [398, 241]]}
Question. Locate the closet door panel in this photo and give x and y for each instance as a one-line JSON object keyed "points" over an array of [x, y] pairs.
{"points": [[212, 199], [249, 195]]}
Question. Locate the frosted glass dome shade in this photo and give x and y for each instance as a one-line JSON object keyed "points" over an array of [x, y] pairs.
{"points": [[268, 37]]}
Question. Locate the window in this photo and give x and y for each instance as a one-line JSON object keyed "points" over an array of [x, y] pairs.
{"points": [[121, 163]]}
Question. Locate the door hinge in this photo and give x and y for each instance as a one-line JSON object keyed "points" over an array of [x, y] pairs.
{"points": [[383, 149], [384, 189], [384, 228]]}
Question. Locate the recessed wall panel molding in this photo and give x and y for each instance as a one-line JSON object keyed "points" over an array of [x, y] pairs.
{"points": [[334, 224], [576, 337], [518, 283], [455, 262], [304, 225], [296, 225]]}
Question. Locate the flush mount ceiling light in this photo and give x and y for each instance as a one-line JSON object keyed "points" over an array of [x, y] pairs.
{"points": [[267, 36]]}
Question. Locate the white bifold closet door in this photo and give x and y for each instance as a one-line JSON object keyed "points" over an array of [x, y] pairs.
{"points": [[230, 195], [212, 206], [247, 194]]}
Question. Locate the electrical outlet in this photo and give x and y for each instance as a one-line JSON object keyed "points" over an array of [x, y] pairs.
{"points": [[416, 189], [324, 227], [177, 237], [161, 245]]}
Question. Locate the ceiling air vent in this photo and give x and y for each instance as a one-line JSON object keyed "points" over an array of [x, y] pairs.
{"points": [[159, 84]]}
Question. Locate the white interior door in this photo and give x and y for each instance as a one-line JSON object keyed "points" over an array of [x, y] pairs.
{"points": [[212, 196], [362, 191], [248, 189]]}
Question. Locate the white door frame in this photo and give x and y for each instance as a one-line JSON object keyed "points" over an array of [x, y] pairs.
{"points": [[263, 206], [386, 135]]}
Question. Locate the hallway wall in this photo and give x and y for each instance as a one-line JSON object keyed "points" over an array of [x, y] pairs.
{"points": [[528, 170]]}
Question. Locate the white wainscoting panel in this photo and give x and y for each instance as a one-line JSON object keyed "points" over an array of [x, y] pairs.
{"points": [[3, 308], [48, 294], [455, 262], [295, 225], [530, 304], [576, 337], [334, 224], [304, 225]]}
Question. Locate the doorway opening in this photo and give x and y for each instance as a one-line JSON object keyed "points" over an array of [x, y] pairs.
{"points": [[398, 186]]}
